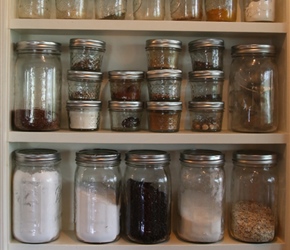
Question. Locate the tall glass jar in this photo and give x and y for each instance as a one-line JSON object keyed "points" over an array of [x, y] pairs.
{"points": [[253, 88], [37, 185], [34, 9], [254, 195], [147, 196], [97, 195], [149, 9], [221, 10], [186, 10], [37, 90], [201, 205], [72, 9], [110, 9]]}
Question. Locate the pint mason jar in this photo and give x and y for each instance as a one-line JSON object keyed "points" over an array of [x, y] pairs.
{"points": [[149, 9], [221, 10], [97, 195], [253, 86], [37, 89], [254, 195], [110, 9], [38, 9], [186, 10]]}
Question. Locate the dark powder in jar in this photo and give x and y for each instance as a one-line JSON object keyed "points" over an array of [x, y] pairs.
{"points": [[164, 121]]}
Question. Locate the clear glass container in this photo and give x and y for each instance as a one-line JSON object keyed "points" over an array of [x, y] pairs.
{"points": [[164, 84], [126, 116], [206, 116], [201, 196], [259, 11], [221, 10], [86, 54], [72, 9], [253, 89], [84, 85], [206, 85], [84, 115], [206, 54], [254, 196], [163, 53], [186, 10], [36, 195], [164, 116], [38, 9], [110, 9], [37, 89], [147, 196], [149, 9], [97, 195], [126, 85]]}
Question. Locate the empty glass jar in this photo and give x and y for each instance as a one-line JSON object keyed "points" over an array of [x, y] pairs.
{"points": [[110, 9], [72, 9], [149, 9], [186, 10], [221, 10], [34, 8]]}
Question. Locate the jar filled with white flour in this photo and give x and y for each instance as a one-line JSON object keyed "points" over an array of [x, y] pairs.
{"points": [[201, 192], [37, 185], [97, 195], [259, 10]]}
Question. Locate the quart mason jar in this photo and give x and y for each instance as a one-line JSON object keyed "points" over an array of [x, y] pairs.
{"points": [[201, 205], [253, 88], [254, 194], [221, 10], [149, 9], [34, 9], [97, 195], [37, 185], [147, 196], [186, 10], [110, 9], [37, 90]]}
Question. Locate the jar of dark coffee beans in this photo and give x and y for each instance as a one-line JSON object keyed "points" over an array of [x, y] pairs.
{"points": [[147, 196]]}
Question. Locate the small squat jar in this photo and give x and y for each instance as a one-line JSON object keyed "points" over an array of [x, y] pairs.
{"points": [[164, 116], [186, 10], [34, 9], [86, 54], [163, 53], [110, 9], [206, 116], [72, 9], [37, 184], [254, 196], [125, 116], [97, 195], [83, 115], [149, 9], [84, 85], [164, 84], [201, 196], [222, 10], [259, 11], [147, 196]]}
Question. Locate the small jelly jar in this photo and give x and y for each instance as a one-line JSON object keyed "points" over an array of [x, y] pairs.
{"points": [[206, 116], [86, 54], [84, 115], [125, 116], [164, 84], [206, 85], [221, 10], [149, 9], [72, 9], [163, 53], [110, 9], [84, 85], [38, 9], [126, 85], [164, 116], [186, 10], [206, 54]]}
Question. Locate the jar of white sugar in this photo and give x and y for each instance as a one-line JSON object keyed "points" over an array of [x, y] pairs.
{"points": [[201, 205], [97, 195], [37, 185]]}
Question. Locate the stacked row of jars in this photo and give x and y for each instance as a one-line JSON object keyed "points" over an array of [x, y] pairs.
{"points": [[146, 196]]}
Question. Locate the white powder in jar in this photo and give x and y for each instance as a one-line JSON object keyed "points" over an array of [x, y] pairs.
{"points": [[86, 120], [262, 10]]}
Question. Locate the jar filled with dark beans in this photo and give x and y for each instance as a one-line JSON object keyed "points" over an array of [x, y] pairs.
{"points": [[147, 196]]}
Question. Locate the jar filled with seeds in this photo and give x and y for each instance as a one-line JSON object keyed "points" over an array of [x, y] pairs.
{"points": [[149, 9], [206, 116], [72, 9], [84, 85], [221, 10], [110, 9], [38, 9], [164, 84], [254, 193], [186, 10]]}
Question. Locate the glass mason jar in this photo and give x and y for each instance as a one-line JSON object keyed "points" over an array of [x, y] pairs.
{"points": [[72, 9], [186, 10], [149, 9], [253, 89], [37, 89], [147, 196], [221, 10], [259, 11], [97, 195], [37, 184], [34, 9], [254, 195], [110, 9], [201, 196]]}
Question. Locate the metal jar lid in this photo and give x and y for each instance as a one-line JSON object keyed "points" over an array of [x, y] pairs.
{"points": [[255, 157], [192, 105], [164, 106], [209, 42], [202, 157], [147, 156], [126, 74], [98, 155], [122, 105], [84, 75], [244, 49], [164, 73], [206, 74], [83, 104], [37, 155], [163, 43], [87, 43], [38, 47]]}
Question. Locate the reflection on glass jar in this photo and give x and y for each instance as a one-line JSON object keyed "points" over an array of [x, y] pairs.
{"points": [[149, 9], [191, 10], [34, 8], [71, 9], [110, 9], [221, 10]]}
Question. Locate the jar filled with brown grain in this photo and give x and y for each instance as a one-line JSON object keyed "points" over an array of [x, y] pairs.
{"points": [[221, 10]]}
